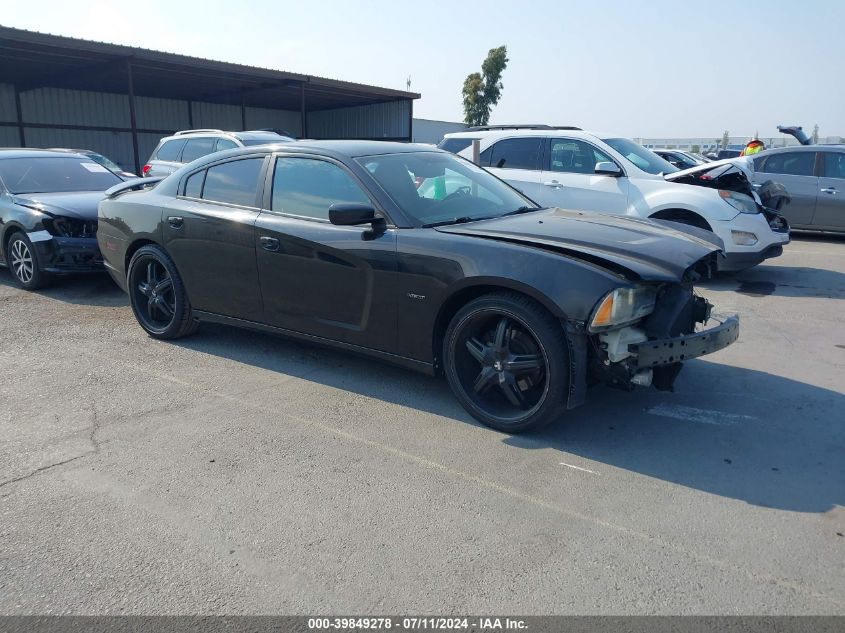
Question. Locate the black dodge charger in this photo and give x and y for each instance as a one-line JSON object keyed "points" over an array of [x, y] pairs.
{"points": [[418, 257], [48, 213]]}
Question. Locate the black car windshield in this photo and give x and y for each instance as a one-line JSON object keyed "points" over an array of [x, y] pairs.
{"points": [[105, 162], [641, 157], [49, 175], [436, 187]]}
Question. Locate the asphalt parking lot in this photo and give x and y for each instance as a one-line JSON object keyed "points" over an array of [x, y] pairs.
{"points": [[234, 472]]}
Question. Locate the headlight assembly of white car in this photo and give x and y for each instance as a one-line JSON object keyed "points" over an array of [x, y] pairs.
{"points": [[739, 201], [623, 306]]}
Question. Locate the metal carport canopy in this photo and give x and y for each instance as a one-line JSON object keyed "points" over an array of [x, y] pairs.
{"points": [[31, 60]]}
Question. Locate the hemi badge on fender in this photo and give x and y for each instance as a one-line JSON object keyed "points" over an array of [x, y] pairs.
{"points": [[411, 295]]}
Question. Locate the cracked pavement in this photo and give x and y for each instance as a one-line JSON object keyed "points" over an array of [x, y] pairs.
{"points": [[238, 473]]}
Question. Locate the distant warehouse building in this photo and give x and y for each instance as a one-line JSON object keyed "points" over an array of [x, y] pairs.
{"points": [[120, 100], [431, 131]]}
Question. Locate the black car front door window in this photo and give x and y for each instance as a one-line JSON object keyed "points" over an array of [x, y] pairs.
{"points": [[307, 187]]}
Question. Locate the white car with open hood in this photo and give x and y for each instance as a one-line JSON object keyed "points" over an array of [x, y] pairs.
{"points": [[573, 169]]}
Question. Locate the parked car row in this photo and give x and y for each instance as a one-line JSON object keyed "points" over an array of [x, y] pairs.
{"points": [[573, 169], [576, 267]]}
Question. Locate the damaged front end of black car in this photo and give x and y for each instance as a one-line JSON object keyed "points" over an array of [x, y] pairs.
{"points": [[663, 326], [641, 330]]}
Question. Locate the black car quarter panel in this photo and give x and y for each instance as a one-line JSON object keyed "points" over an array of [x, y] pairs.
{"points": [[439, 272]]}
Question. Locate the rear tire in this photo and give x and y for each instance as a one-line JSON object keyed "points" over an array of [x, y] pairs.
{"points": [[23, 262], [157, 295], [507, 362]]}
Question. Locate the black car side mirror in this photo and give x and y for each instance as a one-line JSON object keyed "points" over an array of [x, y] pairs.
{"points": [[353, 214]]}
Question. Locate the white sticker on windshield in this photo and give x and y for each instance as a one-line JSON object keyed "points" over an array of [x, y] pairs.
{"points": [[94, 167]]}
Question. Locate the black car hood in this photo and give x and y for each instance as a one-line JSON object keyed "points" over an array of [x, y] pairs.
{"points": [[640, 249], [81, 205]]}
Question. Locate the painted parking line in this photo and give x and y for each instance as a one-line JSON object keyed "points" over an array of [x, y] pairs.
{"points": [[584, 470], [701, 416]]}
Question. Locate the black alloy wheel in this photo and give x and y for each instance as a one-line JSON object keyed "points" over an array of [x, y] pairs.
{"points": [[506, 360], [158, 296], [23, 262]]}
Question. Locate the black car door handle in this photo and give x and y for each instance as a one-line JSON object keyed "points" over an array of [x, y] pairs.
{"points": [[269, 243], [175, 221]]}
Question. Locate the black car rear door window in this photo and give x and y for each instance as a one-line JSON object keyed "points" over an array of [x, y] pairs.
{"points": [[791, 163], [193, 186], [517, 153], [170, 150], [197, 148], [235, 182], [307, 187]]}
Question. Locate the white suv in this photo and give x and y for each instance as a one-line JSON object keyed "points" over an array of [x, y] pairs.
{"points": [[573, 169]]}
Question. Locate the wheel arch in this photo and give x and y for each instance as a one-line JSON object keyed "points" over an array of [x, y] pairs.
{"points": [[683, 214], [473, 289], [133, 248], [9, 229]]}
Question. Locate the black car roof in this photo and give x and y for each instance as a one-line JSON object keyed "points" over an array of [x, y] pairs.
{"points": [[354, 149], [23, 152]]}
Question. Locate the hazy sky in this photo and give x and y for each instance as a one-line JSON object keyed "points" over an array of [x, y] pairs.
{"points": [[647, 68]]}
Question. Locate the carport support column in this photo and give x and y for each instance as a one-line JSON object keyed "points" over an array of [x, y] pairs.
{"points": [[130, 84], [303, 125], [410, 120], [19, 116]]}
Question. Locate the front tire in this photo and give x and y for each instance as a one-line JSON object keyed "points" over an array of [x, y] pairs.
{"points": [[507, 362], [158, 296], [23, 262]]}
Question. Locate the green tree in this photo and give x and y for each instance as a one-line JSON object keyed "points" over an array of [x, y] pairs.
{"points": [[726, 138], [695, 149], [482, 90]]}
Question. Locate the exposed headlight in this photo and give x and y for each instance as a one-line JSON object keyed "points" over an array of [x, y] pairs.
{"points": [[739, 201], [623, 305], [71, 227], [743, 238]]}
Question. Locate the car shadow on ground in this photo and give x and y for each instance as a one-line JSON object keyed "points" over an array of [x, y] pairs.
{"points": [[738, 433], [781, 281], [728, 431], [92, 289]]}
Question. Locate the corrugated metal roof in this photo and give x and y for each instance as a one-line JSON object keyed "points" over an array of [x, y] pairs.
{"points": [[136, 53]]}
